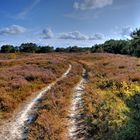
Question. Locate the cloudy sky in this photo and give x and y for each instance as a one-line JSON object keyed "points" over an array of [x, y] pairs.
{"points": [[61, 23]]}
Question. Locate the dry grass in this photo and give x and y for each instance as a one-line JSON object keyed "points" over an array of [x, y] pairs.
{"points": [[51, 121], [24, 75], [111, 101]]}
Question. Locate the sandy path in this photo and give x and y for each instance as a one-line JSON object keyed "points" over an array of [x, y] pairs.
{"points": [[76, 122], [15, 128]]}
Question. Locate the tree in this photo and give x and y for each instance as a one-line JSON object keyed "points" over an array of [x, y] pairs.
{"points": [[8, 49], [112, 46], [45, 49], [136, 34], [28, 47], [97, 48], [60, 50]]}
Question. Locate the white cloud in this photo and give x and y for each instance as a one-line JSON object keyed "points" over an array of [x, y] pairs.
{"points": [[126, 31], [76, 35], [91, 4], [25, 11], [12, 30], [97, 36], [47, 33]]}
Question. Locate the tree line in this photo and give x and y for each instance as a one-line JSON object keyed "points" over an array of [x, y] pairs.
{"points": [[34, 48], [128, 47]]}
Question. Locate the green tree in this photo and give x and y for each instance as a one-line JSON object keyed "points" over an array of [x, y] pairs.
{"points": [[45, 49], [28, 47], [8, 49], [112, 46], [60, 50], [135, 43]]}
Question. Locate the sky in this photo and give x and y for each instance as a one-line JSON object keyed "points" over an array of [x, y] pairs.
{"points": [[63, 23]]}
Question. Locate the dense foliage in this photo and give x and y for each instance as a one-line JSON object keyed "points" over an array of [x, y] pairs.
{"points": [[129, 47], [33, 48], [7, 49]]}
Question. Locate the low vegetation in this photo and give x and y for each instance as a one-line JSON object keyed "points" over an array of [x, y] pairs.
{"points": [[22, 76], [51, 122], [112, 97]]}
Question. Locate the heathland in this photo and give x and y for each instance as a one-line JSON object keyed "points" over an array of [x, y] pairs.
{"points": [[110, 101]]}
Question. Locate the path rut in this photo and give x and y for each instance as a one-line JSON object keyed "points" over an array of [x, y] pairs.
{"points": [[76, 128]]}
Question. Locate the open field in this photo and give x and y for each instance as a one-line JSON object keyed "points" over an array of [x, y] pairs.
{"points": [[109, 103], [22, 76]]}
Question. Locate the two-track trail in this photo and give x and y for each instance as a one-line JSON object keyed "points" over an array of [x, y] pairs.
{"points": [[76, 128], [14, 129]]}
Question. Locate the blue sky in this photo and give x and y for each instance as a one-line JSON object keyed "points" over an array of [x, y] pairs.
{"points": [[62, 23]]}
